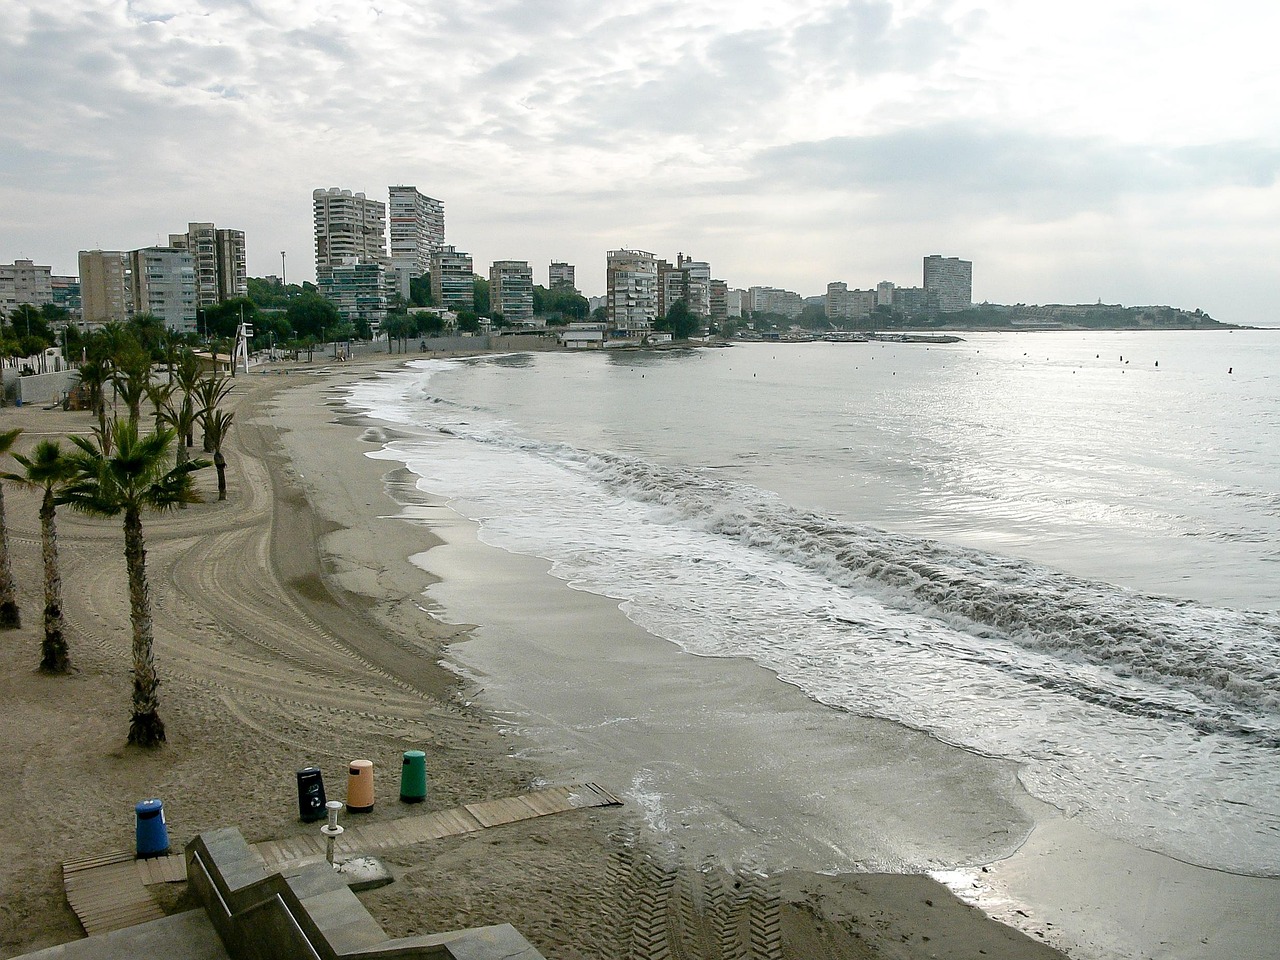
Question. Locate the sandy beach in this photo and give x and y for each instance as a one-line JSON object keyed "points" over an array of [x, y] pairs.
{"points": [[292, 630]]}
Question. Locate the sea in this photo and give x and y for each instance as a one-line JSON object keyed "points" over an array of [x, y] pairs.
{"points": [[1056, 549]]}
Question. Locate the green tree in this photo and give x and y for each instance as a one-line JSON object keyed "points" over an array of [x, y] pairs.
{"points": [[10, 616], [123, 474], [681, 321], [468, 321], [46, 469], [311, 315], [420, 291], [222, 319], [481, 289]]}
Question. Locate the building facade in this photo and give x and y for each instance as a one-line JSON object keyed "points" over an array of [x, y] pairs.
{"points": [[219, 256], [950, 281], [452, 279], [718, 298], [358, 290], [560, 276], [697, 284], [24, 282], [631, 282], [417, 231], [162, 282], [786, 303], [105, 295], [349, 227], [511, 291]]}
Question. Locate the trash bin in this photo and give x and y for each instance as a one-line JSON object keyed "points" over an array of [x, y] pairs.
{"points": [[413, 777], [360, 785], [310, 795], [152, 833]]}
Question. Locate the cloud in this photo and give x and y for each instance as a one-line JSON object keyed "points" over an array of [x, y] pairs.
{"points": [[994, 171]]}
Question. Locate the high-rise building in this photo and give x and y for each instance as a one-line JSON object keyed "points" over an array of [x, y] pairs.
{"points": [[162, 282], [453, 285], [417, 231], [349, 227], [561, 276], [718, 296], [219, 257], [351, 232], [24, 282], [104, 287], [950, 280], [511, 291], [697, 284], [631, 288]]}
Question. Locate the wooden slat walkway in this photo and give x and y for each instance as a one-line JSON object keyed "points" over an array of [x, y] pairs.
{"points": [[110, 892]]}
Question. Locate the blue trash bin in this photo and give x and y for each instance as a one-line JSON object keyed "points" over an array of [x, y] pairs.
{"points": [[152, 833]]}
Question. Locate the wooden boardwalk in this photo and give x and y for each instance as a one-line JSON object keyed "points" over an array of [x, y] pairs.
{"points": [[110, 892]]}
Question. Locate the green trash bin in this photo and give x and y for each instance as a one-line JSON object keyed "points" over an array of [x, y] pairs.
{"points": [[413, 777]]}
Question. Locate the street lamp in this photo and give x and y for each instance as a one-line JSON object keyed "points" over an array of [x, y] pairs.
{"points": [[284, 282]]}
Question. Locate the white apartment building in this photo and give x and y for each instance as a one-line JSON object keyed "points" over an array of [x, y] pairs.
{"points": [[452, 279], [162, 282], [631, 288], [219, 256], [511, 291], [24, 282], [417, 231], [348, 227], [561, 275], [950, 281]]}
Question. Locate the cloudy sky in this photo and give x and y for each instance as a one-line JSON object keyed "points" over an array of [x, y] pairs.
{"points": [[1123, 150]]}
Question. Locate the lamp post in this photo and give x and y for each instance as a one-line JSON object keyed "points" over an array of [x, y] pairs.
{"points": [[284, 281]]}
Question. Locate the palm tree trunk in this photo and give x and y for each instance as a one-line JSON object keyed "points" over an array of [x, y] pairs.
{"points": [[220, 464], [10, 618], [145, 728], [53, 652]]}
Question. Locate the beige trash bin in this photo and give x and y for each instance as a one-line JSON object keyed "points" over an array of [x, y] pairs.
{"points": [[360, 785]]}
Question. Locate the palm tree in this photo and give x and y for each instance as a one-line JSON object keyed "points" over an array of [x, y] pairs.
{"points": [[121, 472], [94, 376], [132, 378], [10, 617], [217, 424], [211, 391], [47, 468]]}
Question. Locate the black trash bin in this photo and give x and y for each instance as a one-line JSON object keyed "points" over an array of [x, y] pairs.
{"points": [[310, 795]]}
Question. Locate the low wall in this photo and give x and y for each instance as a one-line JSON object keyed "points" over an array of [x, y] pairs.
{"points": [[39, 388]]}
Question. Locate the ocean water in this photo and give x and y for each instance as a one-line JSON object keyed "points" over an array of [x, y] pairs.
{"points": [[1061, 549]]}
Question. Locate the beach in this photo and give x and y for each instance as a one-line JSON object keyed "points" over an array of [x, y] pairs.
{"points": [[293, 630]]}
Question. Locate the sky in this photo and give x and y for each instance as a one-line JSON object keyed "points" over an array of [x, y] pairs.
{"points": [[1117, 150]]}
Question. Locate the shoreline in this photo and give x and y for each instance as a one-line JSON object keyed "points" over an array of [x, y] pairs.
{"points": [[291, 629]]}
